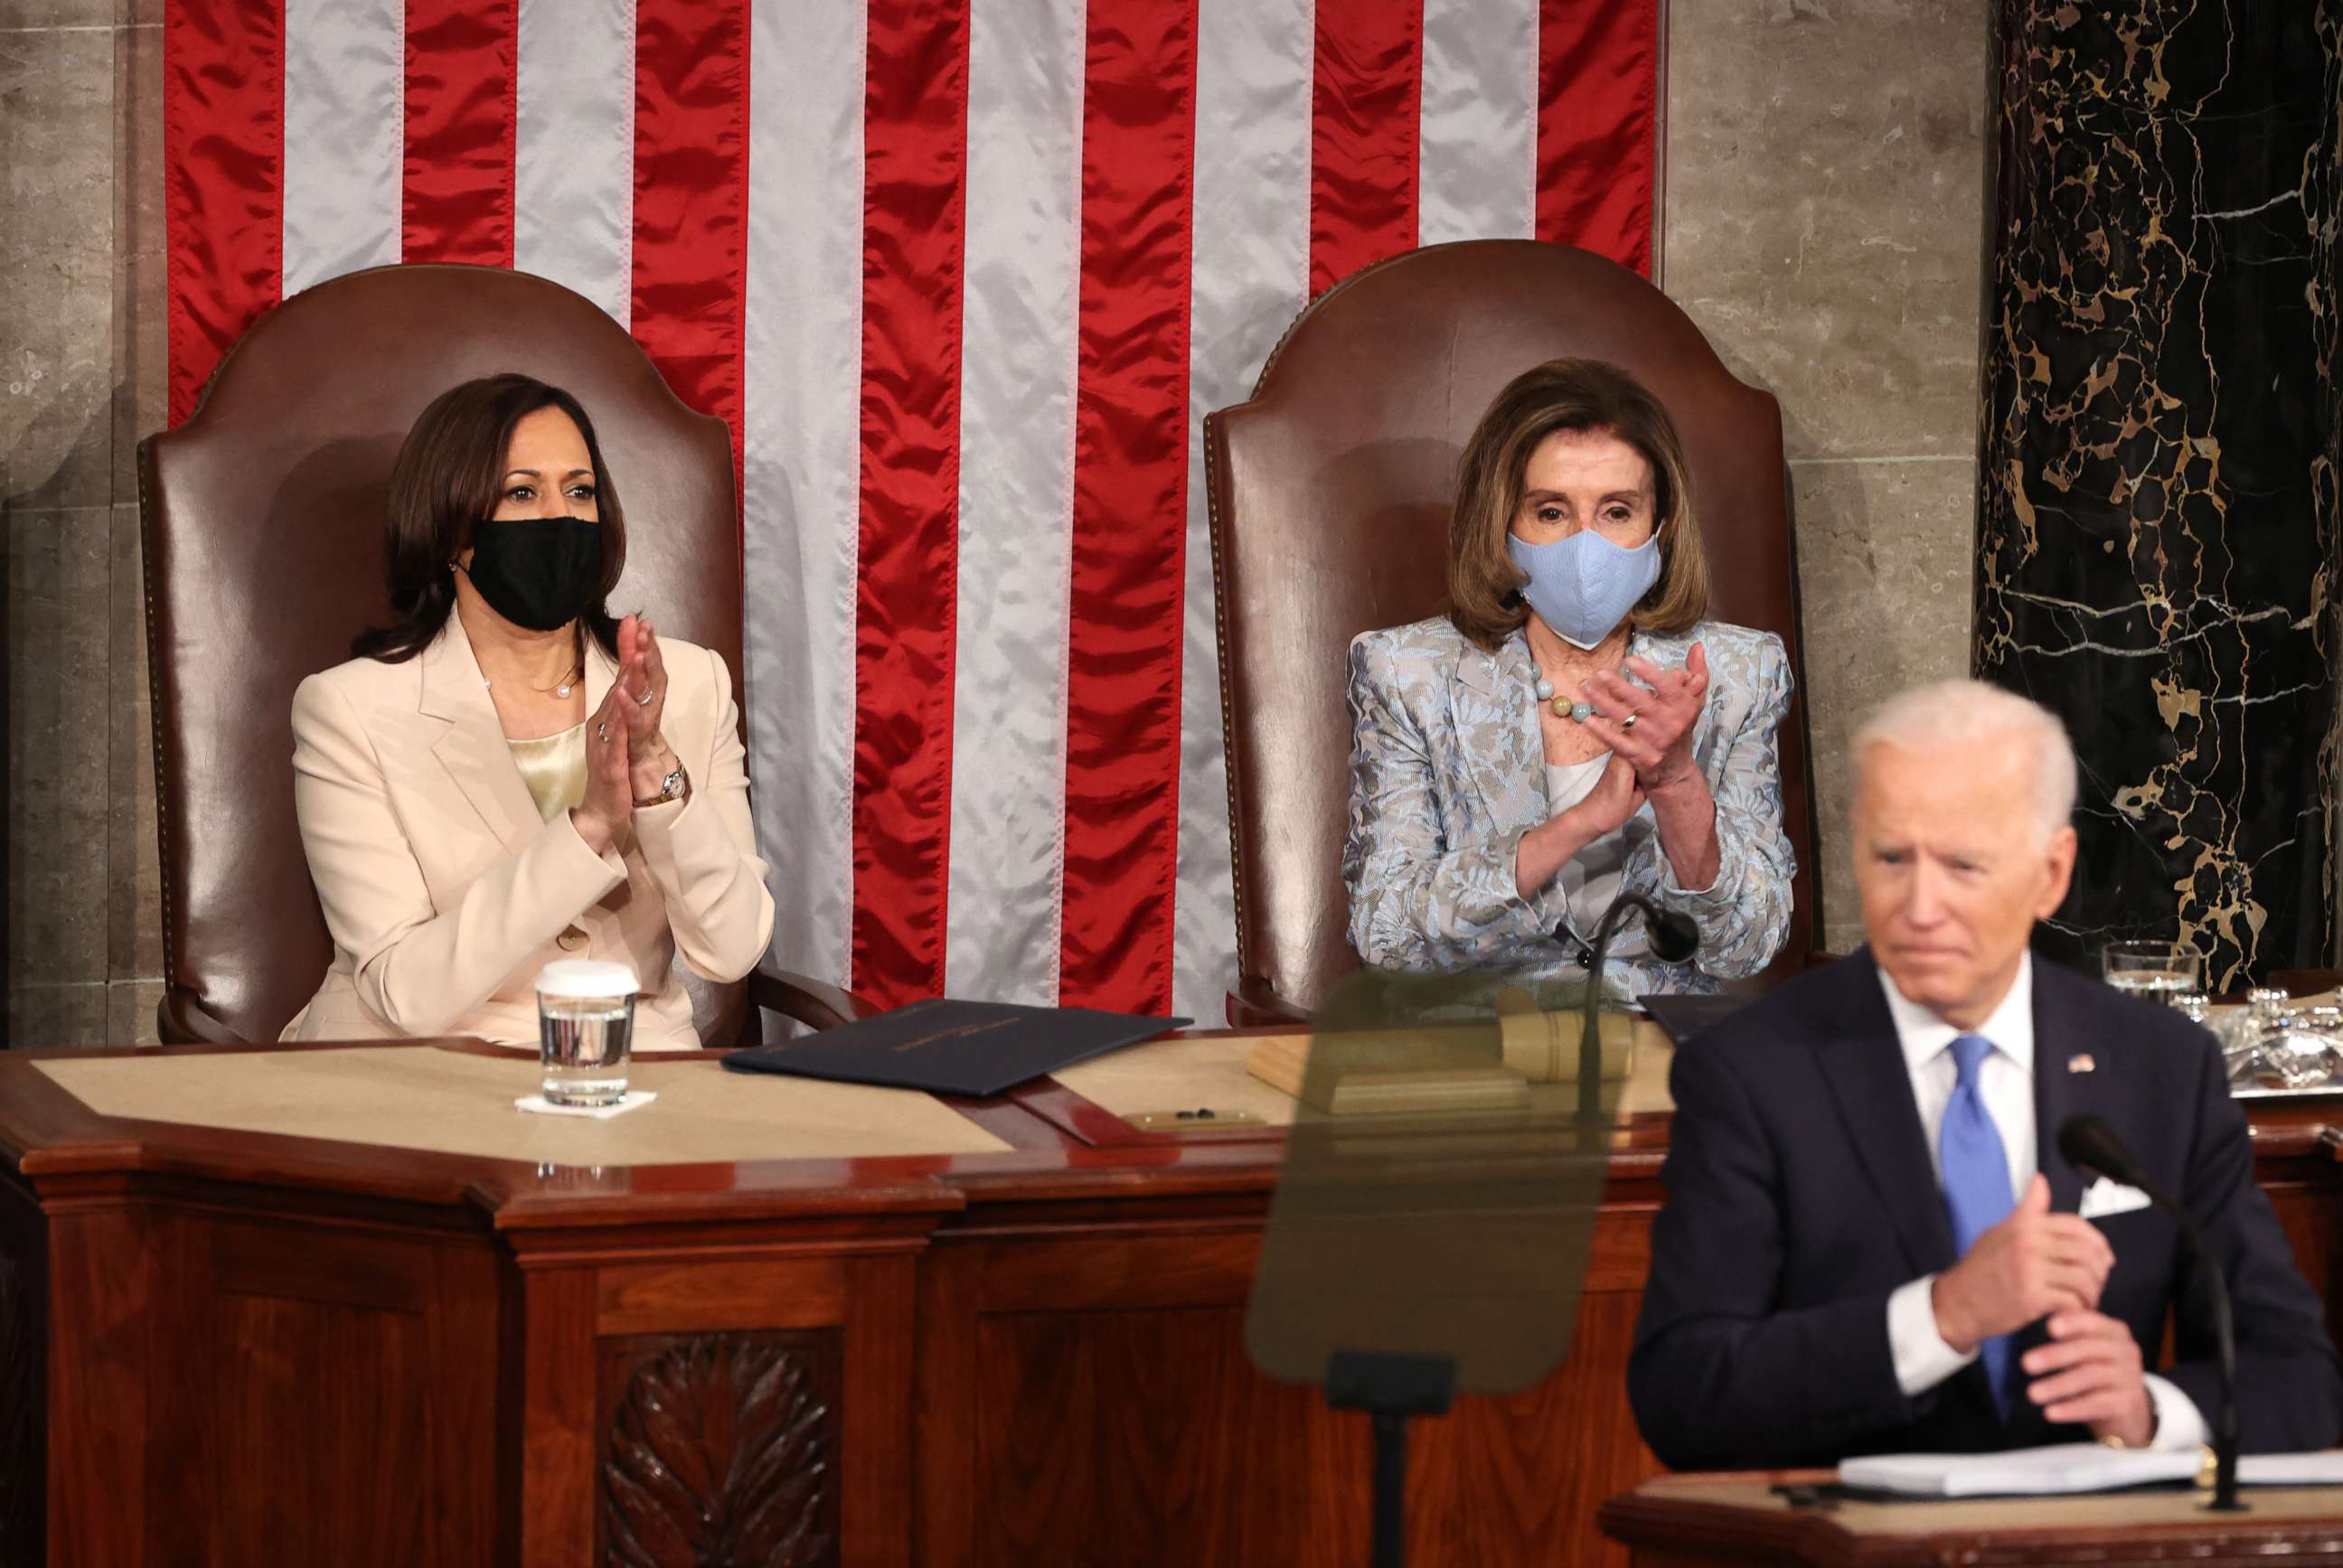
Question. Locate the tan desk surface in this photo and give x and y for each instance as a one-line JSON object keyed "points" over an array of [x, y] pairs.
{"points": [[1179, 1074], [1208, 1071], [452, 1103], [2270, 1504]]}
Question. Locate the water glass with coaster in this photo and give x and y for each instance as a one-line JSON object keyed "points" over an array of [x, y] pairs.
{"points": [[585, 1027]]}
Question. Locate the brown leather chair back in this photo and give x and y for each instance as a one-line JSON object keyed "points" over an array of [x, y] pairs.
{"points": [[1330, 492], [264, 525]]}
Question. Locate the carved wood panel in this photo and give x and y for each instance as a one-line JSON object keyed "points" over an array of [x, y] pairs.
{"points": [[720, 1451]]}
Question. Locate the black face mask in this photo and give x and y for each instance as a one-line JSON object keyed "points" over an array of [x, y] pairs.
{"points": [[537, 572]]}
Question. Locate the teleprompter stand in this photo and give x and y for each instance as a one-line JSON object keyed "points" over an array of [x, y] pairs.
{"points": [[1416, 1255], [1391, 1389]]}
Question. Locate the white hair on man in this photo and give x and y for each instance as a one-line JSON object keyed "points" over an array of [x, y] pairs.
{"points": [[1950, 713]]}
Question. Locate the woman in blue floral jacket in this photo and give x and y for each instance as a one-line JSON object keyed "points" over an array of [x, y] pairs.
{"points": [[1574, 728]]}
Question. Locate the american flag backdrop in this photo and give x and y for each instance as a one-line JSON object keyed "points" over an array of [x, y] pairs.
{"points": [[963, 276]]}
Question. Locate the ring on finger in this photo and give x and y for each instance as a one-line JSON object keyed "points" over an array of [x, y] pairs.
{"points": [[645, 699], [1628, 722], [602, 733]]}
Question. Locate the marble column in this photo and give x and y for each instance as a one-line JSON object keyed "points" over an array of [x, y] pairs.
{"points": [[2158, 503]]}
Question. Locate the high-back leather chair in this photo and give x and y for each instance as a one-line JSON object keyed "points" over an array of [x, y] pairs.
{"points": [[1331, 491], [263, 517]]}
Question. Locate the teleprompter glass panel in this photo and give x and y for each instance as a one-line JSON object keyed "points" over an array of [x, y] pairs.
{"points": [[1435, 1202]]}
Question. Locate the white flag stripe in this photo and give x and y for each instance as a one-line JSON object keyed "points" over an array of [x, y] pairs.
{"points": [[1251, 270], [574, 175], [574, 147], [1016, 498], [802, 399], [345, 136], [1477, 174]]}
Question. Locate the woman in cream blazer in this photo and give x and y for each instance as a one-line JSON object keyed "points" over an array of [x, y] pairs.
{"points": [[462, 837]]}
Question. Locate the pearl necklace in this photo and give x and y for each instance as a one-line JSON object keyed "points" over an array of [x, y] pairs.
{"points": [[561, 689]]}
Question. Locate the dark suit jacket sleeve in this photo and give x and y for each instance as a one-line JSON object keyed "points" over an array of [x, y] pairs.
{"points": [[2289, 1393], [1722, 1375]]}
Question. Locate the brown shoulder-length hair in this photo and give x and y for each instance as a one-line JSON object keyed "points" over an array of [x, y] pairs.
{"points": [[448, 478], [1484, 595]]}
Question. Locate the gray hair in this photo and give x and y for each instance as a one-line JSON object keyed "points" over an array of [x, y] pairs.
{"points": [[1967, 712]]}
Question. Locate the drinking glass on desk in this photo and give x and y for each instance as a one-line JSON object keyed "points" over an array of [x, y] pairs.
{"points": [[2159, 971], [585, 1024]]}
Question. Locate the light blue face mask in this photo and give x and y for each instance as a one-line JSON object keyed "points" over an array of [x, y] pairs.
{"points": [[1583, 586]]}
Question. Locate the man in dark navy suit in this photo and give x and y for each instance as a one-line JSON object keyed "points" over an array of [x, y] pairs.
{"points": [[1871, 1243]]}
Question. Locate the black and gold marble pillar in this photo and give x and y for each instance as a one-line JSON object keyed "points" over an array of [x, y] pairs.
{"points": [[2157, 512]]}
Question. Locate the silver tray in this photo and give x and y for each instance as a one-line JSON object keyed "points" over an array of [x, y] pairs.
{"points": [[2308, 1092]]}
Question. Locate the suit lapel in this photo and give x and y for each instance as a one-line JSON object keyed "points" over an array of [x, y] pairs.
{"points": [[472, 748], [1492, 700], [2059, 1090], [1862, 1059]]}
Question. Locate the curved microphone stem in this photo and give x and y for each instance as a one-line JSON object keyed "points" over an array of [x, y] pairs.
{"points": [[2225, 1333], [1590, 1021], [2091, 1146]]}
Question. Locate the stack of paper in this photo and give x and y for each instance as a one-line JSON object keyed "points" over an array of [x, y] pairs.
{"points": [[2072, 1467], [2064, 1467]]}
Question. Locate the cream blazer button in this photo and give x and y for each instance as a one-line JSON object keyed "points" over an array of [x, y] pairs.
{"points": [[571, 940]]}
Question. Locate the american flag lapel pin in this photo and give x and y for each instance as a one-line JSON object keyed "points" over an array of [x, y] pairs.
{"points": [[2081, 1062]]}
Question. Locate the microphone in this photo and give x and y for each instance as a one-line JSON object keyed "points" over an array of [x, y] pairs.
{"points": [[1674, 936], [1674, 939], [2091, 1145]]}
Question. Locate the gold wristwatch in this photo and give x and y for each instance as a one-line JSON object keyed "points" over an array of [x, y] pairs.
{"points": [[674, 787]]}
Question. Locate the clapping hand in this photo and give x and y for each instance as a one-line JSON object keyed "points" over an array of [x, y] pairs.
{"points": [[1616, 796], [641, 693], [1545, 848], [1658, 743], [627, 757], [2091, 1372], [2031, 1265], [609, 802]]}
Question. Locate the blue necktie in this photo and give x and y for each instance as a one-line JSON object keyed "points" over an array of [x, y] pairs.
{"points": [[1976, 1182]]}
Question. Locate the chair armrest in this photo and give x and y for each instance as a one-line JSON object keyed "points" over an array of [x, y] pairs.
{"points": [[808, 1000], [180, 1020], [1255, 1002]]}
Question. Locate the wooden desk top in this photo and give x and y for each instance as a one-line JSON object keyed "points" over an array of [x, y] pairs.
{"points": [[1058, 1147], [50, 1138], [1738, 1517]]}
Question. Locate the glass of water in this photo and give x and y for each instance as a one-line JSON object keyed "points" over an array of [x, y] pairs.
{"points": [[2160, 972], [584, 1022]]}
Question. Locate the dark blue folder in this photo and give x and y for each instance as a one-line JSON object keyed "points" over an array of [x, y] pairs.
{"points": [[946, 1047]]}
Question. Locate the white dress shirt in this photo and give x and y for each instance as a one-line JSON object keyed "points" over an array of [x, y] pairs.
{"points": [[2005, 1084]]}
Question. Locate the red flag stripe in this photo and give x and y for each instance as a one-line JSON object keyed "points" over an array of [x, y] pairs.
{"points": [[915, 162], [1131, 506], [690, 244], [1598, 126], [455, 200], [1366, 109], [224, 150]]}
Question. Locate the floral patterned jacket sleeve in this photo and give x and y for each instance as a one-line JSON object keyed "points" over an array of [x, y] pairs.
{"points": [[1426, 891], [1744, 914], [1447, 773]]}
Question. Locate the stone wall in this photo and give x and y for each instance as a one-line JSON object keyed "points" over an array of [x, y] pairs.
{"points": [[1823, 212], [81, 379], [1826, 171]]}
